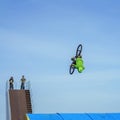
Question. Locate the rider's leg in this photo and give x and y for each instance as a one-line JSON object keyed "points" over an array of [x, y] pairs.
{"points": [[80, 69]]}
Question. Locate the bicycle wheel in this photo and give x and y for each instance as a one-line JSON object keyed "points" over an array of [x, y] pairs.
{"points": [[72, 69], [79, 50]]}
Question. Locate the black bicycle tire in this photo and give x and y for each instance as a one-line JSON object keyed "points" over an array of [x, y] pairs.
{"points": [[72, 69], [78, 52]]}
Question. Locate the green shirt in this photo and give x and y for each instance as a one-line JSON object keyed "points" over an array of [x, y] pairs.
{"points": [[79, 65]]}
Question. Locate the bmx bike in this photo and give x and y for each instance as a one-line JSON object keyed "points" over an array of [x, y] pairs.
{"points": [[78, 53]]}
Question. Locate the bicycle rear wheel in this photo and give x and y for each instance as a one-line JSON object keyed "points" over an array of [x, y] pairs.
{"points": [[72, 69]]}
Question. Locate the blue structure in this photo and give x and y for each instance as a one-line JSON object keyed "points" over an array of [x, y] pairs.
{"points": [[74, 116]]}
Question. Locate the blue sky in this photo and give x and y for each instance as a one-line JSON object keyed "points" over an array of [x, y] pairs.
{"points": [[38, 39]]}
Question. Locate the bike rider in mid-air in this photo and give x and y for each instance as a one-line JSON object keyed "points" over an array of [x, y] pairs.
{"points": [[78, 63]]}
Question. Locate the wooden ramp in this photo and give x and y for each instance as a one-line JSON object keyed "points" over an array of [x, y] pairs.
{"points": [[20, 104]]}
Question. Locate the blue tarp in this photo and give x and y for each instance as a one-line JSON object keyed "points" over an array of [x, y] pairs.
{"points": [[75, 116]]}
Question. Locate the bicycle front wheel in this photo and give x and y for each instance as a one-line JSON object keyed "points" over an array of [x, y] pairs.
{"points": [[79, 50]]}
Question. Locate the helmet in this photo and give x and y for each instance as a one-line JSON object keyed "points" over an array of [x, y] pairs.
{"points": [[73, 58]]}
